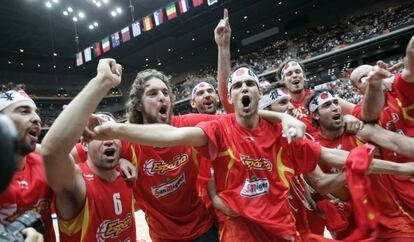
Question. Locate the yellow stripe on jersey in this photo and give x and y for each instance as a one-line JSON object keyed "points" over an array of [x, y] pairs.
{"points": [[73, 226], [281, 168], [194, 154], [228, 152], [134, 156], [405, 111]]}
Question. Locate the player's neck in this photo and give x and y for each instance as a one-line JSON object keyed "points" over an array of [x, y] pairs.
{"points": [[330, 134], [107, 175], [248, 122], [297, 97], [21, 162]]}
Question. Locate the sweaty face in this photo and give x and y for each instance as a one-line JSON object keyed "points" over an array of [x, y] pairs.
{"points": [[104, 154], [294, 79], [205, 101], [282, 105], [245, 95], [359, 76], [156, 102], [27, 121], [329, 115]]}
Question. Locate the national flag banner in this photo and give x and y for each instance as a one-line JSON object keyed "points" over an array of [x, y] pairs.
{"points": [[171, 11], [105, 45], [183, 6], [197, 3], [158, 17], [79, 59], [125, 34], [115, 39], [136, 28], [211, 2], [88, 54], [147, 22], [97, 51]]}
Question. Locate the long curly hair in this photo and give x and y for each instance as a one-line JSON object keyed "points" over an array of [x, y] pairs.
{"points": [[137, 91]]}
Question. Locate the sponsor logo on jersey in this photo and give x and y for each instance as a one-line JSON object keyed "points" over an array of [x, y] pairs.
{"points": [[113, 228], [168, 188], [255, 188], [257, 164], [23, 184], [152, 166]]}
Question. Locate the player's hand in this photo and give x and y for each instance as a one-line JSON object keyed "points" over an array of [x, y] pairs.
{"points": [[219, 204], [222, 32], [88, 133], [128, 170], [378, 73], [109, 72], [292, 128], [352, 124], [32, 235]]}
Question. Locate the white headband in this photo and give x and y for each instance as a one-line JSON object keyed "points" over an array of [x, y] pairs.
{"points": [[271, 97], [241, 74], [200, 86], [106, 117], [319, 100], [10, 97], [287, 66]]}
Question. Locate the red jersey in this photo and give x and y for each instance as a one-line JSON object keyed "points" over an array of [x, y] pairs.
{"points": [[166, 187], [300, 108], [82, 156], [107, 215], [28, 190], [394, 220], [252, 170]]}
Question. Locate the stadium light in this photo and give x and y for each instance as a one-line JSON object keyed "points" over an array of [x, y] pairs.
{"points": [[21, 63], [21, 50], [98, 4], [38, 65], [91, 26], [75, 19], [48, 4], [9, 62], [55, 1], [146, 59], [113, 13], [280, 3], [69, 67], [95, 24], [54, 67], [245, 17], [169, 49], [105, 1], [81, 14], [118, 10], [65, 13], [70, 9], [55, 54]]}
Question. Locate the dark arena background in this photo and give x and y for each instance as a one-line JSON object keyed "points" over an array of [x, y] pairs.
{"points": [[51, 48]]}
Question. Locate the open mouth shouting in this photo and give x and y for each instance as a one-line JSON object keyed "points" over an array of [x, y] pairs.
{"points": [[246, 101], [33, 133], [109, 153], [163, 113]]}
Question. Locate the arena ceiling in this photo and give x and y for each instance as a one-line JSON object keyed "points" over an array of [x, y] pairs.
{"points": [[36, 38]]}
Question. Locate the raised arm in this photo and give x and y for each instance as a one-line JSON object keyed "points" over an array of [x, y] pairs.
{"points": [[222, 35], [374, 97], [63, 176], [337, 158], [398, 143], [160, 135], [288, 123], [408, 72]]}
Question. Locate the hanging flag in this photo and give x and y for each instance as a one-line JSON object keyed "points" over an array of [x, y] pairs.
{"points": [[136, 29], [171, 11], [79, 60], [183, 5], [158, 17], [88, 54], [197, 3], [211, 2], [115, 39], [147, 22], [97, 49], [105, 45], [125, 34]]}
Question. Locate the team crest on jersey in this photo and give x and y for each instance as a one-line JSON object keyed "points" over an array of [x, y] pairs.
{"points": [[152, 166], [110, 229], [257, 164], [169, 187], [255, 188]]}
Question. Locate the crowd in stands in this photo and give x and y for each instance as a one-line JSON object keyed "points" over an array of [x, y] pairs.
{"points": [[313, 42]]}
